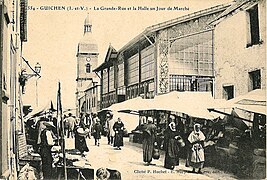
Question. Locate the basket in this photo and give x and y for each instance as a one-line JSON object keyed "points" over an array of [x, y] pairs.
{"points": [[82, 132], [155, 154], [180, 141]]}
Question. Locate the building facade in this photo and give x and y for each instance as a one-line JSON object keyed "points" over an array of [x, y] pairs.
{"points": [[87, 80], [13, 18], [176, 55], [240, 56]]}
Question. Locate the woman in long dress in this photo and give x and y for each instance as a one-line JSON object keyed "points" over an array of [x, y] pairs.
{"points": [[149, 137], [80, 142], [118, 128], [171, 147], [196, 138]]}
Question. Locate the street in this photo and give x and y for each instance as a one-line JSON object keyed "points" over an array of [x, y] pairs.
{"points": [[129, 161]]}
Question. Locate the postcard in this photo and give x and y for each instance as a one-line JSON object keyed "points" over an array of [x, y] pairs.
{"points": [[162, 89]]}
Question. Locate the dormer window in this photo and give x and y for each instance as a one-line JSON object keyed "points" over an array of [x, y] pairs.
{"points": [[88, 68]]}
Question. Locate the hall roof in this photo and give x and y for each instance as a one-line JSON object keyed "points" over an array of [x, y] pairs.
{"points": [[173, 22]]}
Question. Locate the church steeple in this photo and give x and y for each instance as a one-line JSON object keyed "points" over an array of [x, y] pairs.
{"points": [[87, 80], [87, 24]]}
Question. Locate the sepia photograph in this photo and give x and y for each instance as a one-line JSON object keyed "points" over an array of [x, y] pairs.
{"points": [[129, 90]]}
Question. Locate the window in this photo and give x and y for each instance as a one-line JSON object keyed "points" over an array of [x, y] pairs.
{"points": [[105, 81], [147, 63], [228, 92], [94, 102], [111, 79], [133, 69], [255, 80], [253, 26], [192, 55], [88, 68], [190, 83], [121, 75]]}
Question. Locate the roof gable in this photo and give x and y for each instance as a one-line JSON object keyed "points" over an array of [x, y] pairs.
{"points": [[236, 7]]}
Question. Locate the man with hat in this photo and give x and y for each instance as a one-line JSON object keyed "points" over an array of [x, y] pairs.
{"points": [[47, 141], [70, 121], [109, 126], [97, 131]]}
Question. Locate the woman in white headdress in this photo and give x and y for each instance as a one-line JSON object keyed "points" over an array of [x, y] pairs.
{"points": [[171, 145], [196, 138]]}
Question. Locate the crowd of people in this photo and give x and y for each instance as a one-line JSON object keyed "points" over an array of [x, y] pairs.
{"points": [[113, 128], [172, 144], [175, 138], [44, 133]]}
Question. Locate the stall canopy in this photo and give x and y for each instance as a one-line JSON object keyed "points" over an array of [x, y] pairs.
{"points": [[254, 101], [194, 104], [130, 121], [191, 103], [134, 104], [49, 107]]}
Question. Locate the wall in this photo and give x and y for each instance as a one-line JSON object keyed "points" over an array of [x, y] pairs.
{"points": [[233, 60], [4, 121], [10, 55], [91, 99], [82, 61]]}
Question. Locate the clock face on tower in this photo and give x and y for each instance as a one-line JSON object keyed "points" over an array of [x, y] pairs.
{"points": [[88, 59]]}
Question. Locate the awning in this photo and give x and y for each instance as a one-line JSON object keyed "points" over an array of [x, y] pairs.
{"points": [[254, 101], [49, 107], [130, 121], [194, 104], [191, 103], [135, 104]]}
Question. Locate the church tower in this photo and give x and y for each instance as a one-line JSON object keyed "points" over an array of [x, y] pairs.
{"points": [[87, 61]]}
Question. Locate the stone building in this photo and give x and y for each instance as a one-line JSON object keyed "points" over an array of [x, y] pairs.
{"points": [[87, 80], [240, 49], [174, 55], [13, 18]]}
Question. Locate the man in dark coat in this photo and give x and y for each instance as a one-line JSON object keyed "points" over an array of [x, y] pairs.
{"points": [[97, 128], [47, 141], [118, 128], [149, 137]]}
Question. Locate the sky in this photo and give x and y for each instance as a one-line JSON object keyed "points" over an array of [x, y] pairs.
{"points": [[53, 37]]}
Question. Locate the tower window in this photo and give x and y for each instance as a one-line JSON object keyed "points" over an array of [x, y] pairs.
{"points": [[228, 92], [254, 32], [255, 80], [88, 68]]}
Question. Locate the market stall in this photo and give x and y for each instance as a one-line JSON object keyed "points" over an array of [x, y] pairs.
{"points": [[77, 166], [243, 148], [188, 108], [46, 110]]}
